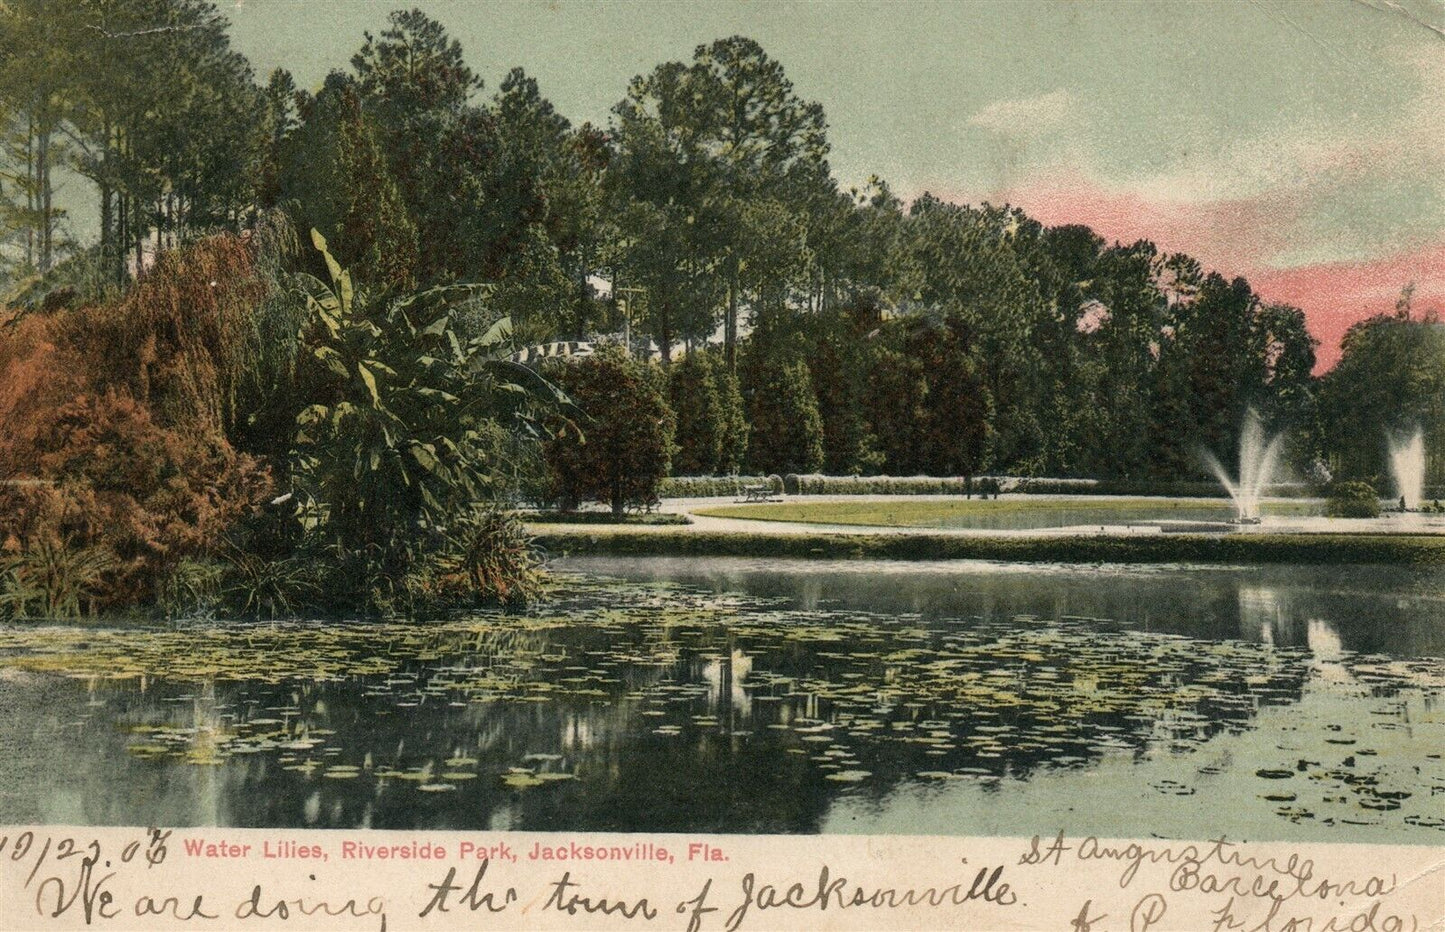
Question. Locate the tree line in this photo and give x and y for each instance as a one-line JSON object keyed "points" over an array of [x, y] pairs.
{"points": [[805, 326]]}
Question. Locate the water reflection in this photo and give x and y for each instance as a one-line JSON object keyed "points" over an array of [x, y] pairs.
{"points": [[732, 696], [1374, 609]]}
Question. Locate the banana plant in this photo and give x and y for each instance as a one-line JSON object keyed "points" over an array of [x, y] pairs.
{"points": [[406, 427]]}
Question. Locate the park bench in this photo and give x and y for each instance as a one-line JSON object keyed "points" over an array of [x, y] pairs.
{"points": [[758, 493]]}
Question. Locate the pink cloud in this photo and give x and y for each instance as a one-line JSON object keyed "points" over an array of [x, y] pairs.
{"points": [[1335, 295], [1228, 235], [1242, 237]]}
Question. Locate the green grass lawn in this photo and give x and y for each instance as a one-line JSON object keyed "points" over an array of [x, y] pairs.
{"points": [[1001, 514]]}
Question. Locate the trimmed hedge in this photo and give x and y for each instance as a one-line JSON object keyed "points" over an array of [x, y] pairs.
{"points": [[714, 486], [1337, 549], [888, 485], [1022, 485], [600, 517], [814, 484]]}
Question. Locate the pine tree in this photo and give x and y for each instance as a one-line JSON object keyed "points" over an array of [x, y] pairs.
{"points": [[733, 419], [699, 413], [335, 178], [787, 433]]}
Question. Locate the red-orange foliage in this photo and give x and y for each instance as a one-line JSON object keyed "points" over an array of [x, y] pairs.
{"points": [[180, 339], [36, 376], [148, 494], [113, 417]]}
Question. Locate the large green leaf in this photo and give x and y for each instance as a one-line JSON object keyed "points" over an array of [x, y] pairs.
{"points": [[332, 359], [436, 394], [370, 381], [438, 327], [530, 379], [425, 455], [311, 414], [341, 412], [332, 265], [497, 333], [343, 282]]}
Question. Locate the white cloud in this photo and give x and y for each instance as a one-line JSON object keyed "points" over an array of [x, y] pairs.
{"points": [[1409, 144], [1027, 115], [1333, 192]]}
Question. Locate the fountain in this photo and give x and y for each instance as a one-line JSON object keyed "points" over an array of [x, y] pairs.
{"points": [[1256, 466], [1407, 465]]}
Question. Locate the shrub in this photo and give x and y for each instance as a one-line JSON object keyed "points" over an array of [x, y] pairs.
{"points": [[150, 496], [1022, 485], [491, 560], [119, 414], [407, 430], [256, 587], [654, 519], [185, 340], [1353, 500], [201, 337], [190, 589], [625, 446], [38, 373], [1033, 485], [486, 558]]}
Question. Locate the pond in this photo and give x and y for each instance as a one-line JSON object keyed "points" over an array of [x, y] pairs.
{"points": [[770, 696]]}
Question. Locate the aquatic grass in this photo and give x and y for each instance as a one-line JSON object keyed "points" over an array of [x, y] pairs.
{"points": [[496, 558], [50, 580], [256, 587], [190, 589]]}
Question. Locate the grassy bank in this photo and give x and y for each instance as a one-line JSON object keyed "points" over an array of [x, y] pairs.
{"points": [[963, 512], [1396, 550]]}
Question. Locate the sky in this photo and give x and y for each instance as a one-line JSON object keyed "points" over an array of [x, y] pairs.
{"points": [[1299, 143]]}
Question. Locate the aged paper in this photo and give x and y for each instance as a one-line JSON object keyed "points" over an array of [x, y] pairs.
{"points": [[1102, 319]]}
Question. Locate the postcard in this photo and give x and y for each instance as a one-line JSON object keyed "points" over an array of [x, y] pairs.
{"points": [[722, 466]]}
